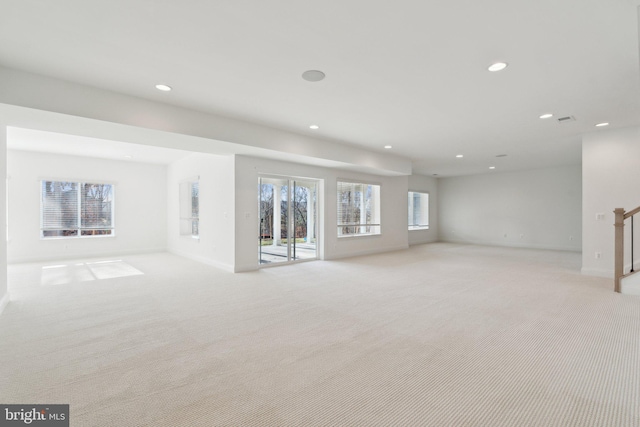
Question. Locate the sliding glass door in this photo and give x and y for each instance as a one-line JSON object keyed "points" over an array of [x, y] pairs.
{"points": [[288, 219]]}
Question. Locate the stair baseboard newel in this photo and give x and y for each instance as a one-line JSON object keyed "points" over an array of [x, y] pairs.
{"points": [[620, 217]]}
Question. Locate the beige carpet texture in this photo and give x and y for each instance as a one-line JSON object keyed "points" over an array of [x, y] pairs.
{"points": [[436, 335]]}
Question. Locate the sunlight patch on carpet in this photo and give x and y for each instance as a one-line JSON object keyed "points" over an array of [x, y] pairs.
{"points": [[61, 274]]}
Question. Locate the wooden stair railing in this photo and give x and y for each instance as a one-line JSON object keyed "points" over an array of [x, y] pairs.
{"points": [[621, 216]]}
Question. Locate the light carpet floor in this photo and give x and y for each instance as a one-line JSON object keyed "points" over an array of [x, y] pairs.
{"points": [[437, 335]]}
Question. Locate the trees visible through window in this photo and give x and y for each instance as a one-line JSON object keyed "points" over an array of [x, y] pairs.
{"points": [[418, 210], [76, 209], [190, 208], [358, 209], [274, 219]]}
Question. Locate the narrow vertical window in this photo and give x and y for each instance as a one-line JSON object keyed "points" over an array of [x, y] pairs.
{"points": [[418, 210], [195, 209], [6, 205], [358, 209], [190, 208]]}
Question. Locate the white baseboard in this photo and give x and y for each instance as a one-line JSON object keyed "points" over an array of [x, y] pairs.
{"points": [[369, 252], [514, 245], [426, 242], [204, 260], [597, 272], [4, 301], [245, 268], [73, 256]]}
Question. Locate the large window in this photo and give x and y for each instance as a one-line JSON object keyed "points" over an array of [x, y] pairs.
{"points": [[358, 209], [418, 210], [76, 209], [190, 208]]}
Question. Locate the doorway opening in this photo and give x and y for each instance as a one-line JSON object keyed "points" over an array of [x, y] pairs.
{"points": [[288, 216]]}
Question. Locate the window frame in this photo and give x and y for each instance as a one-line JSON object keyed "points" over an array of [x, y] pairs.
{"points": [[419, 226], [79, 228], [189, 225], [374, 201]]}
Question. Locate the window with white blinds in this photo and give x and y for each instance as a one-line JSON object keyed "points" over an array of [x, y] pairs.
{"points": [[76, 209], [190, 208], [418, 210], [358, 209]]}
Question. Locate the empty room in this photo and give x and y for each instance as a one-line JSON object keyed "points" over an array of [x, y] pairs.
{"points": [[291, 214]]}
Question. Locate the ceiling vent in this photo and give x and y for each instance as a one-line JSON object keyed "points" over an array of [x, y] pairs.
{"points": [[566, 119]]}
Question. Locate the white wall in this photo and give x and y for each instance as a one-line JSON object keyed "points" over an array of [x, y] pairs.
{"points": [[4, 293], [213, 134], [611, 179], [393, 210], [426, 184], [216, 243], [140, 205], [532, 209]]}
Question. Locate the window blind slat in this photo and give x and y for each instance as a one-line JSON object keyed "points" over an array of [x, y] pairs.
{"points": [[69, 209], [59, 205]]}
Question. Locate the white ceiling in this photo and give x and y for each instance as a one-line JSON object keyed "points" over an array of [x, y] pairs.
{"points": [[407, 73]]}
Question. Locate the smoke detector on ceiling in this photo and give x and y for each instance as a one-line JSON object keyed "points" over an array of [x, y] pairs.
{"points": [[313, 75], [566, 119]]}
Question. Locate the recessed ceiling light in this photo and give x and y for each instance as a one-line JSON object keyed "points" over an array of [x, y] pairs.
{"points": [[313, 75], [546, 116], [492, 167], [498, 66], [459, 156], [163, 88], [602, 124], [388, 147], [314, 127]]}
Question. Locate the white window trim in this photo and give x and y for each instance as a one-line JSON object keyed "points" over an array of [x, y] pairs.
{"points": [[378, 224], [421, 227], [188, 219], [79, 235]]}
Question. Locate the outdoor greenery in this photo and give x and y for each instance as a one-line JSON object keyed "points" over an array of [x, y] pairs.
{"points": [[300, 196], [71, 209]]}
